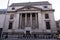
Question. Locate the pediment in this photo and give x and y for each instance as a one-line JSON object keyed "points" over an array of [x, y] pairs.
{"points": [[28, 8]]}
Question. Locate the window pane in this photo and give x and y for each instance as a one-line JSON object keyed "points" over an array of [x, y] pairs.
{"points": [[33, 14], [23, 15], [47, 25], [46, 16], [28, 14], [10, 25]]}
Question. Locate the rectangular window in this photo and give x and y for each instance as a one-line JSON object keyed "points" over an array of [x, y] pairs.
{"points": [[28, 14], [23, 15], [10, 25], [46, 16], [11, 16], [33, 14], [47, 25]]}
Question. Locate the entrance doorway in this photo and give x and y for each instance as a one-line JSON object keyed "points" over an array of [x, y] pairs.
{"points": [[27, 32]]}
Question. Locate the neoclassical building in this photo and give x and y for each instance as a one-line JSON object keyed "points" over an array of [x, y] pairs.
{"points": [[29, 18]]}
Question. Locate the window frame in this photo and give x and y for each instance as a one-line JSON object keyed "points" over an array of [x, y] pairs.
{"points": [[48, 25], [10, 26], [46, 16]]}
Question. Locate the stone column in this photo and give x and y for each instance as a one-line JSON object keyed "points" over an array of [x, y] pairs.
{"points": [[25, 19], [36, 20], [39, 22], [20, 20], [17, 21], [31, 19]]}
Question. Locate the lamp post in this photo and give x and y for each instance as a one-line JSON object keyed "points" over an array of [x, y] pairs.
{"points": [[4, 19]]}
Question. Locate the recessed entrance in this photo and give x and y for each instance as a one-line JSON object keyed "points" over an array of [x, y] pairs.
{"points": [[27, 32]]}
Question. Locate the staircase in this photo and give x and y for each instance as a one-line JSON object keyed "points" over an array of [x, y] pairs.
{"points": [[27, 39], [30, 37]]}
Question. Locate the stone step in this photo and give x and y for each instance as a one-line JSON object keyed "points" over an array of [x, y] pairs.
{"points": [[30, 39], [27, 39]]}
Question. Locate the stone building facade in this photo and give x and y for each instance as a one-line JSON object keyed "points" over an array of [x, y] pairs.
{"points": [[2, 17], [29, 18]]}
